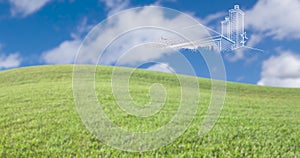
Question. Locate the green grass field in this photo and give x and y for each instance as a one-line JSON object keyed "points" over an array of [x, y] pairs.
{"points": [[38, 117]]}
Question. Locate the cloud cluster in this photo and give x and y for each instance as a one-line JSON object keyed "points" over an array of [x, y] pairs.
{"points": [[26, 7], [114, 6], [275, 18], [282, 70], [63, 54], [241, 52], [270, 18], [122, 36], [162, 67], [9, 61]]}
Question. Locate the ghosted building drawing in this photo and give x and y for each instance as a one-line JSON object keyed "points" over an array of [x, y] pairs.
{"points": [[232, 36], [236, 27], [225, 28]]}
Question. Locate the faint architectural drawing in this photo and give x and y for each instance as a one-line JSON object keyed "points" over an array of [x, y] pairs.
{"points": [[225, 27], [237, 28], [233, 28], [232, 36]]}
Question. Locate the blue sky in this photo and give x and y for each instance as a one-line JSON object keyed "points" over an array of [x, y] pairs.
{"points": [[50, 32]]}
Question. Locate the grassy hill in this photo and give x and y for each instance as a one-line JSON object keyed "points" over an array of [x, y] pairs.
{"points": [[38, 117]]}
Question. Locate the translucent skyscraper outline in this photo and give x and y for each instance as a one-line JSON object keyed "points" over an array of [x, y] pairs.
{"points": [[232, 36]]}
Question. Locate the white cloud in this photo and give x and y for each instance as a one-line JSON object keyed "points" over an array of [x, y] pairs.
{"points": [[276, 18], [82, 29], [66, 51], [282, 70], [159, 2], [114, 6], [241, 52], [10, 61], [214, 17], [26, 7], [122, 38], [162, 67], [63, 54]]}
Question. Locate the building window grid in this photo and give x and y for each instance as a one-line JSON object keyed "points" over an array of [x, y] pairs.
{"points": [[233, 27]]}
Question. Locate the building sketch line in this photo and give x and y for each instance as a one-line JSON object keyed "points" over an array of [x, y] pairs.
{"points": [[232, 36]]}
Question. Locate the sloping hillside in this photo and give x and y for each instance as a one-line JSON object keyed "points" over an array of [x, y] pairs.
{"points": [[38, 117]]}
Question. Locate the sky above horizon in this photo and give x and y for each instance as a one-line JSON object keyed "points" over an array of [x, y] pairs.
{"points": [[50, 32]]}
